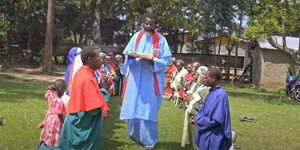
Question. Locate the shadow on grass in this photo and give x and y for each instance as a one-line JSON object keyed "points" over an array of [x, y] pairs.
{"points": [[171, 145], [271, 98], [58, 69], [8, 77], [54, 74], [12, 90], [111, 138], [22, 80]]}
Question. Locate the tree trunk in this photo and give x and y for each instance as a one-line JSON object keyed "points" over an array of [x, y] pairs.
{"points": [[297, 66], [181, 47], [81, 38], [75, 37], [29, 43], [299, 45], [111, 8], [230, 47], [29, 40], [175, 41], [236, 58], [96, 26], [219, 51], [238, 43], [283, 41], [215, 50], [47, 56]]}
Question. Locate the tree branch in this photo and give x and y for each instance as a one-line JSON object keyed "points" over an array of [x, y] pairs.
{"points": [[281, 48]]}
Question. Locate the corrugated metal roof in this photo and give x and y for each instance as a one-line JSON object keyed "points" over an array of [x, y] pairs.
{"points": [[291, 42]]}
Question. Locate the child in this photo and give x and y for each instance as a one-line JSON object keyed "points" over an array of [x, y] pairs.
{"points": [[186, 82], [55, 114]]}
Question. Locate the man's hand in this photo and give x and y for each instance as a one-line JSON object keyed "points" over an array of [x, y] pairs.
{"points": [[133, 55], [192, 120], [111, 77], [146, 56], [188, 97], [103, 75]]}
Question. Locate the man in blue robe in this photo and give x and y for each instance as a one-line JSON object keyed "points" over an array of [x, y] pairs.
{"points": [[213, 119], [147, 55]]}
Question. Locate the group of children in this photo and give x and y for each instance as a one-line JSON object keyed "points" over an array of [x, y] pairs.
{"points": [[110, 80]]}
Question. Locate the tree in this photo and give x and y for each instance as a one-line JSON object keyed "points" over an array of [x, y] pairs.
{"points": [[268, 17], [241, 5], [22, 23], [174, 17], [47, 50], [96, 24]]}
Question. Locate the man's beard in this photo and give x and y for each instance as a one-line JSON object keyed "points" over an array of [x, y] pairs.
{"points": [[149, 30]]}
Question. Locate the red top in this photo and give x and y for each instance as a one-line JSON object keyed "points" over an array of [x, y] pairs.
{"points": [[188, 76], [85, 95], [171, 69]]}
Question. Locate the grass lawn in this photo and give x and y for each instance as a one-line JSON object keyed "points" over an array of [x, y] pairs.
{"points": [[277, 123]]}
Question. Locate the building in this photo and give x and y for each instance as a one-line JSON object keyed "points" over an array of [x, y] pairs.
{"points": [[216, 53], [270, 65]]}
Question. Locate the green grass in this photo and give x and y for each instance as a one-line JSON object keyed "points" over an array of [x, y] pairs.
{"points": [[170, 128], [22, 106], [277, 123]]}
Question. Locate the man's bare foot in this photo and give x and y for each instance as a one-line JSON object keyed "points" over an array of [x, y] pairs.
{"points": [[149, 148]]}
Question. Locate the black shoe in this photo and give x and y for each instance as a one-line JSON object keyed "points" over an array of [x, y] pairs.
{"points": [[247, 119]]}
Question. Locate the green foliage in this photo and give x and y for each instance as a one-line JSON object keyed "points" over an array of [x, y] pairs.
{"points": [[205, 47], [271, 17], [75, 19], [3, 26], [72, 17], [197, 16]]}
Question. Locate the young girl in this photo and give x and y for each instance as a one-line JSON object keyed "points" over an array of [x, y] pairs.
{"points": [[55, 114]]}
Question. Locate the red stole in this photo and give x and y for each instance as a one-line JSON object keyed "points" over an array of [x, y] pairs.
{"points": [[85, 94], [155, 43]]}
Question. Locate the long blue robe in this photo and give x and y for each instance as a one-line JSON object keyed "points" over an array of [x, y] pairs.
{"points": [[140, 105], [213, 122]]}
